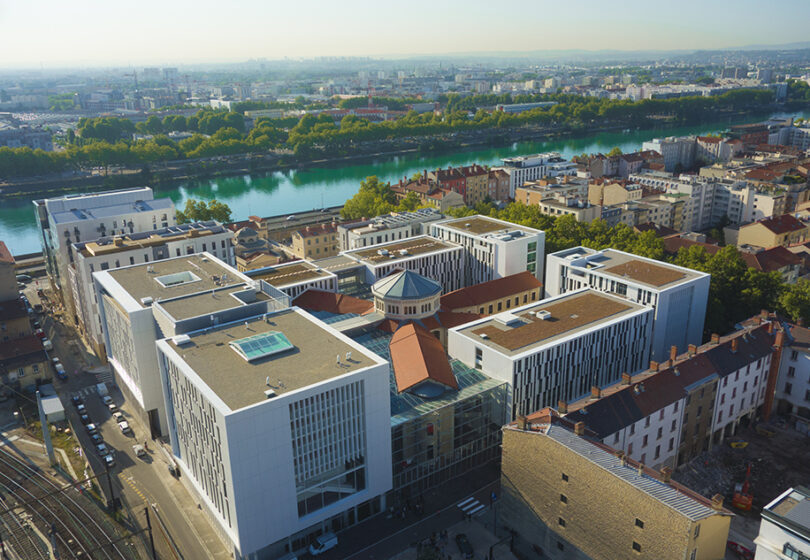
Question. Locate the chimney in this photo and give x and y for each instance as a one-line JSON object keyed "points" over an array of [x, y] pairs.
{"points": [[769, 327], [757, 320], [596, 392], [666, 475], [735, 343], [522, 422], [641, 469], [627, 378], [715, 338], [717, 502], [692, 349], [779, 341], [324, 226], [673, 353], [579, 428], [653, 366], [562, 407], [623, 458], [309, 228]]}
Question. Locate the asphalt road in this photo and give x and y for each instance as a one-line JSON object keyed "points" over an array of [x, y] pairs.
{"points": [[187, 534]]}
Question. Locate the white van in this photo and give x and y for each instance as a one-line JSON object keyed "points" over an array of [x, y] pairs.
{"points": [[325, 542]]}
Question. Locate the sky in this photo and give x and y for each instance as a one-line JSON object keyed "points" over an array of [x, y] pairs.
{"points": [[56, 33]]}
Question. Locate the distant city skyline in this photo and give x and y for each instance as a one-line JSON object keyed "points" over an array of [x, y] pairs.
{"points": [[94, 33]]}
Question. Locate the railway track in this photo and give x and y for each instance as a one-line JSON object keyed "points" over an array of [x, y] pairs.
{"points": [[69, 520]]}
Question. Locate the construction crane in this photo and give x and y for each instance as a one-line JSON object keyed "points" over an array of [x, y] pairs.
{"points": [[742, 496]]}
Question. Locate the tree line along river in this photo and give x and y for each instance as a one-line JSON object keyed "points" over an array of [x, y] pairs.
{"points": [[291, 191]]}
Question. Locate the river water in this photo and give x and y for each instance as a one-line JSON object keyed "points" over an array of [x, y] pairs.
{"points": [[287, 192]]}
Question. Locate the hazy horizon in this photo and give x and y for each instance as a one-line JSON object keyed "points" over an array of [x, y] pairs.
{"points": [[92, 33]]}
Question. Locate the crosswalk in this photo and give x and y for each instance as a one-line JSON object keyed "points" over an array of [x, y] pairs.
{"points": [[85, 391], [471, 507], [104, 376]]}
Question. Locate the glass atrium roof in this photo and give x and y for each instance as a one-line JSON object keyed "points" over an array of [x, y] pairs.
{"points": [[261, 345]]}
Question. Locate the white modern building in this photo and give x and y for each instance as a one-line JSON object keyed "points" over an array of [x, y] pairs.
{"points": [[141, 304], [494, 248], [784, 532], [383, 229], [678, 152], [431, 257], [85, 217], [107, 253], [295, 278], [557, 349], [282, 427], [530, 168], [678, 295]]}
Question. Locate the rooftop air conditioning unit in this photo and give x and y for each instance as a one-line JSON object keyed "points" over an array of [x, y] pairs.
{"points": [[270, 394], [181, 339], [146, 301], [485, 336], [543, 315]]}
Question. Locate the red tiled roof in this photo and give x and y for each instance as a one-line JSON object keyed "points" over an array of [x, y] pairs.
{"points": [[673, 244], [312, 231], [772, 259], [319, 300], [5, 254], [25, 349], [709, 139], [418, 356], [660, 231], [489, 291], [782, 224]]}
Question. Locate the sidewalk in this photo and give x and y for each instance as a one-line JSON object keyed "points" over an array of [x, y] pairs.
{"points": [[386, 536]]}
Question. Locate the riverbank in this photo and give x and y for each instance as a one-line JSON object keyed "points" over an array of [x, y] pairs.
{"points": [[162, 173]]}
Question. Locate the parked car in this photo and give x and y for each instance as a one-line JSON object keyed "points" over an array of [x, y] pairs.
{"points": [[140, 450], [84, 419], [107, 399], [60, 372], [125, 427], [96, 438], [55, 361], [40, 333], [118, 416], [112, 408], [91, 429], [77, 400], [46, 344], [464, 546], [23, 278], [101, 449], [80, 408], [325, 542], [109, 460]]}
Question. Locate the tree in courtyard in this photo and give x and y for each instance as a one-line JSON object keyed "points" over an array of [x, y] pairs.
{"points": [[200, 211], [795, 300]]}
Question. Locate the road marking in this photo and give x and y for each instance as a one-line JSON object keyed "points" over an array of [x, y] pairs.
{"points": [[471, 506], [137, 490]]}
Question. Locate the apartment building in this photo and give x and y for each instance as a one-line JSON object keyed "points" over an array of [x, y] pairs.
{"points": [[675, 410], [315, 242], [493, 296], [498, 184], [605, 192], [556, 349], [533, 192], [85, 217], [301, 421], [792, 396], [494, 248], [709, 149], [579, 208], [107, 253], [677, 295], [426, 255], [784, 230], [382, 229], [678, 153], [143, 303], [294, 278], [476, 182], [784, 531], [538, 166], [570, 497]]}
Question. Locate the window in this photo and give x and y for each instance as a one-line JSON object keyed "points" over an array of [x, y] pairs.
{"points": [[676, 407], [794, 355], [699, 410], [697, 531], [661, 414], [671, 443], [21, 372], [561, 522], [565, 477], [561, 546], [788, 388], [636, 546], [791, 371], [660, 433], [131, 260], [723, 398], [632, 429], [647, 422], [644, 441], [643, 458], [807, 395], [639, 523], [720, 416], [630, 449], [616, 437], [657, 452], [694, 555], [564, 498], [674, 425]]}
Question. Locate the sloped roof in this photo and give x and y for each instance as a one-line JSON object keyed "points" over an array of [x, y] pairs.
{"points": [[492, 290], [21, 351], [771, 259], [406, 285], [418, 356], [782, 224], [5, 254], [12, 309], [659, 230], [751, 345], [320, 300], [674, 244]]}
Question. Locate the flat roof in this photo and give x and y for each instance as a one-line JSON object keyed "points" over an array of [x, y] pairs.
{"points": [[141, 280], [286, 274], [791, 509], [630, 267], [514, 332], [109, 245], [112, 211], [482, 225], [337, 263], [414, 246], [209, 301], [240, 383]]}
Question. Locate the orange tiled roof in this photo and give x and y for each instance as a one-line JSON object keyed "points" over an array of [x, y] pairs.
{"points": [[417, 356]]}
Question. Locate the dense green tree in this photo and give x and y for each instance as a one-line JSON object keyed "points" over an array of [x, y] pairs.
{"points": [[795, 301], [616, 151], [200, 211]]}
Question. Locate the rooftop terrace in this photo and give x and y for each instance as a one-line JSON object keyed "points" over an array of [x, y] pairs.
{"points": [[480, 225], [631, 267], [545, 322], [209, 301], [305, 355], [117, 244], [286, 274]]}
